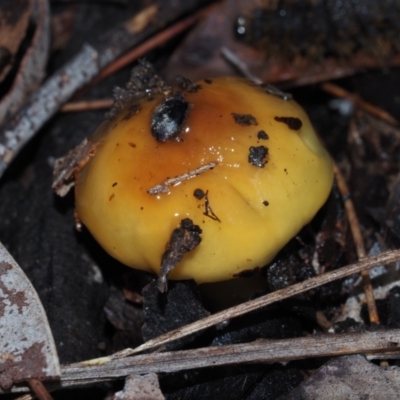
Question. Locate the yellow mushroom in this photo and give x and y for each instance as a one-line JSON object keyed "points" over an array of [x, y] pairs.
{"points": [[242, 163]]}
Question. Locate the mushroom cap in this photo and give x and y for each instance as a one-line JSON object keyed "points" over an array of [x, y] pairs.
{"points": [[272, 175]]}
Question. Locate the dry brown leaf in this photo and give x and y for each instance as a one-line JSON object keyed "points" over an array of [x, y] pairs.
{"points": [[201, 56], [14, 20], [31, 68]]}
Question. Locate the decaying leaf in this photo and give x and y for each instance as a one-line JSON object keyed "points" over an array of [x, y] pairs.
{"points": [[350, 377], [31, 66], [291, 31], [27, 348], [14, 20], [183, 239]]}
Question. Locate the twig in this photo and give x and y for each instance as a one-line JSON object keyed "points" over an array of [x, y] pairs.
{"points": [[45, 102], [260, 351], [40, 391], [154, 42], [241, 309], [163, 187], [372, 344], [359, 102], [81, 70], [239, 65], [88, 105], [117, 366], [270, 351], [358, 241]]}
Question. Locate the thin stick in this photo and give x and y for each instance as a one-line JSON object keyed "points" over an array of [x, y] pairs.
{"points": [[265, 351], [270, 351], [359, 102], [40, 391], [376, 344], [358, 241], [154, 42], [329, 69], [88, 105], [133, 55], [163, 187], [241, 309], [45, 102], [239, 65]]}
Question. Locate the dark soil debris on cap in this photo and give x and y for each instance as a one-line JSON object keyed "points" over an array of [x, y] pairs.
{"points": [[244, 119], [257, 155], [292, 123], [143, 82], [266, 203], [187, 85], [131, 111], [262, 135], [208, 81], [199, 194], [168, 117]]}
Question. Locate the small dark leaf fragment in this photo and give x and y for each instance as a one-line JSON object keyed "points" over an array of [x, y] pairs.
{"points": [[244, 119], [262, 135], [257, 156], [187, 85], [199, 194], [183, 239], [292, 123], [168, 117]]}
